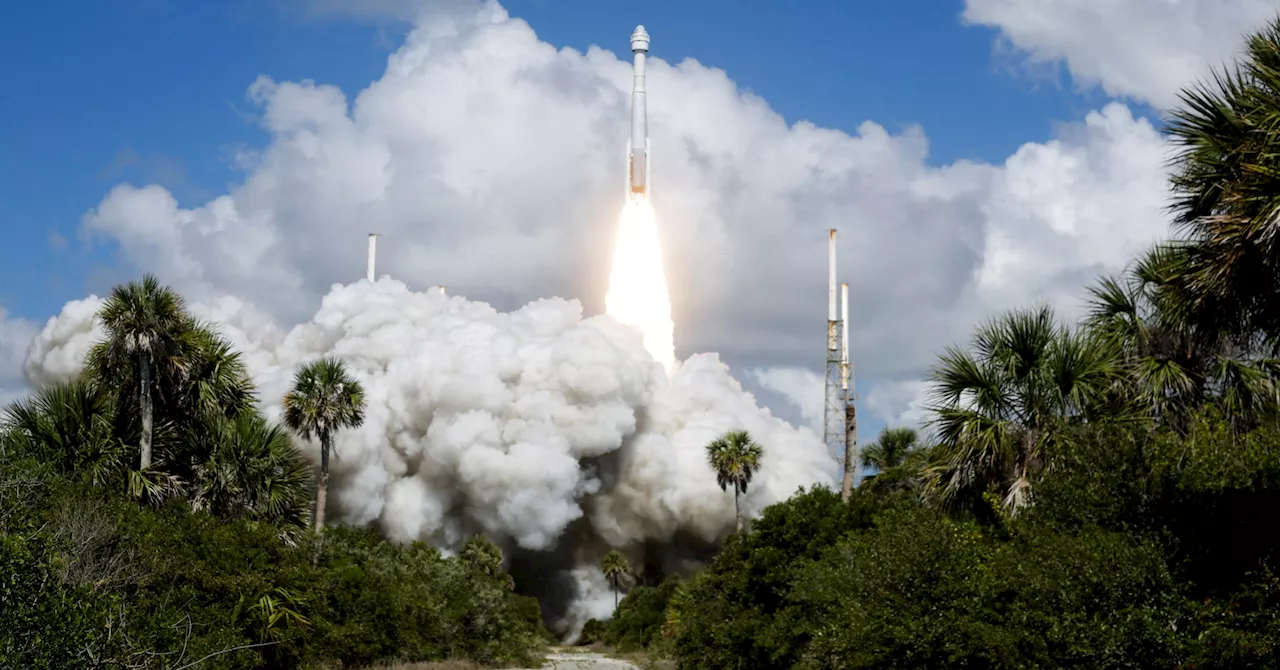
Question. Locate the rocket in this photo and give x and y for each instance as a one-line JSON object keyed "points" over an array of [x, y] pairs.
{"points": [[638, 144]]}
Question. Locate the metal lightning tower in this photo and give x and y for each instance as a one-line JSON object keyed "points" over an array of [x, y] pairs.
{"points": [[833, 415], [852, 462]]}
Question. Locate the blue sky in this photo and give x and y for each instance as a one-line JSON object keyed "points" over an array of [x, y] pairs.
{"points": [[148, 91]]}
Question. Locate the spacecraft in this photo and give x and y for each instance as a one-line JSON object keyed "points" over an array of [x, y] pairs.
{"points": [[638, 145]]}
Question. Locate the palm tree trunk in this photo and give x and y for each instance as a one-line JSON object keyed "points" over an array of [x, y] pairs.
{"points": [[144, 367], [737, 510], [1017, 495], [322, 491], [615, 594]]}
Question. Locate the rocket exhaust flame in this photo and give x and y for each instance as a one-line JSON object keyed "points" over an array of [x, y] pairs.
{"points": [[638, 293]]}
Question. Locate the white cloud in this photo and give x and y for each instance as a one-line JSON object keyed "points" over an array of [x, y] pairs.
{"points": [[15, 334], [491, 162], [1144, 49], [900, 403], [801, 387]]}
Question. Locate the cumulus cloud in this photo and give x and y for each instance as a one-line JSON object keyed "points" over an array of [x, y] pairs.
{"points": [[1144, 49], [490, 162], [15, 333], [900, 403], [801, 387]]}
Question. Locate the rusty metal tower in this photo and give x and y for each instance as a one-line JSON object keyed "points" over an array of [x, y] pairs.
{"points": [[833, 415]]}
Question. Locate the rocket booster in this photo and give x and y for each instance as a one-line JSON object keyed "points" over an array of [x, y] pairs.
{"points": [[638, 144]]}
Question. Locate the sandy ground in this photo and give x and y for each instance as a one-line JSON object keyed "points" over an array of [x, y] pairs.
{"points": [[581, 660], [557, 659]]}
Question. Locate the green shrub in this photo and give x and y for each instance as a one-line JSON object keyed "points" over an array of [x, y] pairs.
{"points": [[741, 613], [637, 623]]}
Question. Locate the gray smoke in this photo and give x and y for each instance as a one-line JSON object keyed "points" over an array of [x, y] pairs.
{"points": [[555, 435]]}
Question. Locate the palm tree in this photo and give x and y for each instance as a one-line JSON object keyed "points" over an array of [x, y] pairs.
{"points": [[143, 321], [1174, 359], [68, 424], [735, 458], [998, 409], [891, 449], [1227, 190], [215, 381], [615, 567], [324, 399], [251, 469]]}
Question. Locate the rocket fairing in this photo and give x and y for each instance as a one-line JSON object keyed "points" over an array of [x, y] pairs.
{"points": [[638, 144]]}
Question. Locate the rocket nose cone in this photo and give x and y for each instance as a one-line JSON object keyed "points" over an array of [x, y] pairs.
{"points": [[640, 39]]}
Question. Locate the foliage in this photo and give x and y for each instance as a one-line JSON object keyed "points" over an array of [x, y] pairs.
{"points": [[735, 459], [1225, 187], [999, 410], [1174, 363], [147, 586], [1142, 549], [615, 567], [898, 458], [891, 448], [739, 611], [924, 591], [638, 621], [324, 399]]}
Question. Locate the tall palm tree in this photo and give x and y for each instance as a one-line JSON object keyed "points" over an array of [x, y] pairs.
{"points": [[998, 409], [735, 459], [891, 449], [1227, 189], [324, 399], [143, 322], [615, 567]]}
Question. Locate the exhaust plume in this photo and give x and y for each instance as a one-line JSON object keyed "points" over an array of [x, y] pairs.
{"points": [[557, 436]]}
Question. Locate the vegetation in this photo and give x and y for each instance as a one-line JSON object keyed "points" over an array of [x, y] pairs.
{"points": [[615, 568], [735, 459], [1096, 495], [324, 399], [201, 555]]}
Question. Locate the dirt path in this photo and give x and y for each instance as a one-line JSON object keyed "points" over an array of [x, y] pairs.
{"points": [[560, 659]]}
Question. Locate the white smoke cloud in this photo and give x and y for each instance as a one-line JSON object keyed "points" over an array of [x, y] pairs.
{"points": [[900, 403], [1144, 49], [801, 387], [480, 421], [15, 333]]}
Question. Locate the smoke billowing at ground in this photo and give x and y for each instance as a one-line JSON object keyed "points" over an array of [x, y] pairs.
{"points": [[557, 436]]}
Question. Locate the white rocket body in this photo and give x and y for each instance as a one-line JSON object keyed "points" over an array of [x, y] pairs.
{"points": [[638, 145]]}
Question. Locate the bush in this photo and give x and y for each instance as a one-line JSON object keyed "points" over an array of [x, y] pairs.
{"points": [[113, 580], [740, 610], [923, 591], [637, 623]]}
